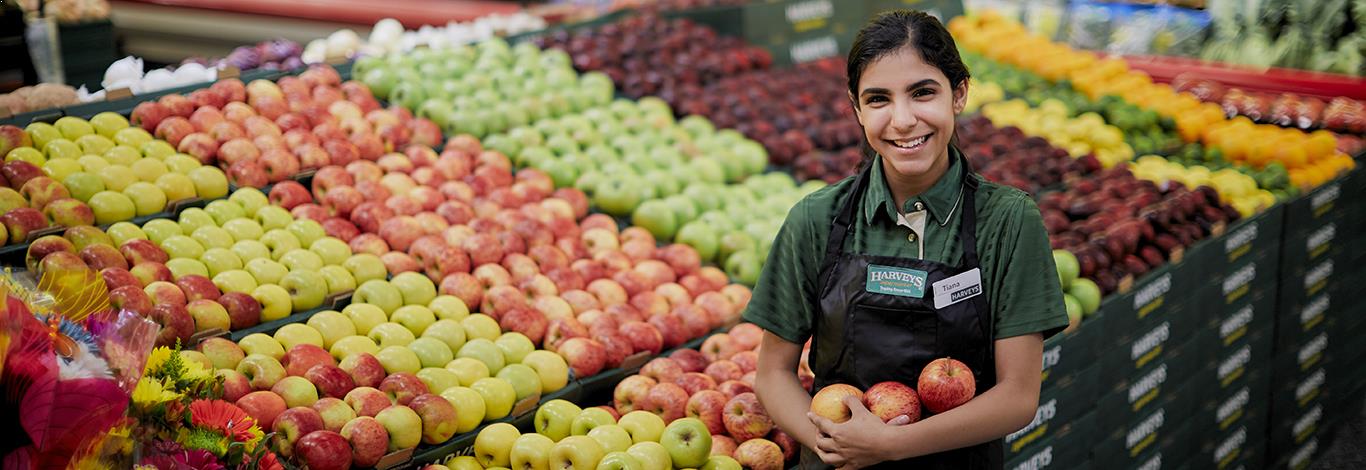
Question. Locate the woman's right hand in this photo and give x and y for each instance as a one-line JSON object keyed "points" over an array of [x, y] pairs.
{"points": [[858, 442]]}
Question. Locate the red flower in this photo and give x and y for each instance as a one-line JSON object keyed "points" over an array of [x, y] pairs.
{"points": [[222, 416], [269, 462]]}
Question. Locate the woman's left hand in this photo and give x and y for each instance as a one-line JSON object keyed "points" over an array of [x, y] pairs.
{"points": [[855, 443]]}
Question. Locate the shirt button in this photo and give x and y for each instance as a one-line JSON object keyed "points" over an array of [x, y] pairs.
{"points": [[911, 237], [919, 206]]}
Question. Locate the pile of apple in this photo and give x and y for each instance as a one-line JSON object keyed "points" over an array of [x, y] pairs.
{"points": [[735, 226], [76, 172], [486, 88], [944, 384], [237, 262], [1118, 225], [627, 153], [1085, 134], [568, 437], [1007, 156], [791, 111], [266, 132], [647, 55], [713, 384], [427, 369]]}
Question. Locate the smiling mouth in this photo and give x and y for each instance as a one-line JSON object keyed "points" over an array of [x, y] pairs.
{"points": [[911, 144]]}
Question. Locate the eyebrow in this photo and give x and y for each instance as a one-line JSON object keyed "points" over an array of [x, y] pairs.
{"points": [[883, 91]]}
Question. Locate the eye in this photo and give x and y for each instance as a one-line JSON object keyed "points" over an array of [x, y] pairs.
{"points": [[922, 92], [875, 99]]}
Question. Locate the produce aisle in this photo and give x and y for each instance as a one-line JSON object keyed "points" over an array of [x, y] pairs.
{"points": [[527, 240]]}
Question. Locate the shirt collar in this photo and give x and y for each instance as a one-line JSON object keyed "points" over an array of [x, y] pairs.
{"points": [[940, 200]]}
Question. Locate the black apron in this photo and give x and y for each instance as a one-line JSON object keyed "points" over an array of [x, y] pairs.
{"points": [[862, 338]]}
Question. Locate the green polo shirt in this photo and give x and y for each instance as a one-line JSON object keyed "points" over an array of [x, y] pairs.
{"points": [[1020, 280]]}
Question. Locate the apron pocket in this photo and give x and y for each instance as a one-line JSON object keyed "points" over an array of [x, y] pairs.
{"points": [[891, 344]]}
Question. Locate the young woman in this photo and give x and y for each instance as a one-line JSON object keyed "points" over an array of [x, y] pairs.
{"points": [[913, 259]]}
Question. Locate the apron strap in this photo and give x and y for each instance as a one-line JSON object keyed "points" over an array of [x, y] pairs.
{"points": [[845, 217]]}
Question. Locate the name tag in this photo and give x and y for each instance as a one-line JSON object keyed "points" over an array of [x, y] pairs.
{"points": [[896, 281], [958, 288]]}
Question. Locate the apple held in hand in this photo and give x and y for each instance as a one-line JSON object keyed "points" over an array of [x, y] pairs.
{"points": [[945, 384], [828, 403], [887, 400]]}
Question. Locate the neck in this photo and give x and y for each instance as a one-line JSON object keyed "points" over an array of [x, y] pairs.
{"points": [[904, 187]]}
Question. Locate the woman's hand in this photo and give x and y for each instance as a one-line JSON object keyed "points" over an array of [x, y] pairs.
{"points": [[856, 443]]}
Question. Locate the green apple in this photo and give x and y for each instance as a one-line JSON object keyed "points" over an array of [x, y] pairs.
{"points": [[414, 317], [550, 367], [82, 185], [338, 279], [379, 293], [118, 177], [251, 200], [157, 150], [404, 426], [275, 301], [531, 451], [485, 351], [391, 334], [193, 218], [181, 246], [266, 271], [213, 237], [397, 359], [620, 460], [107, 123], [217, 260], [121, 232], [302, 260], [555, 417], [307, 231], [576, 452], [333, 252], [261, 343], [493, 445], [92, 164], [515, 346], [351, 345], [469, 407], [132, 136], [722, 462], [294, 334], [463, 462], [365, 317], [273, 217], [297, 391], [110, 207], [590, 418], [449, 307], [365, 267], [209, 182], [183, 164], [416, 288], [499, 396], [243, 229], [644, 426], [613, 438], [181, 267], [431, 352], [1087, 294], [438, 379], [148, 198], [523, 380], [479, 325], [468, 369], [332, 325], [176, 186], [149, 169], [688, 442], [235, 281], [280, 241], [700, 236], [652, 455], [61, 169], [448, 331], [248, 250]]}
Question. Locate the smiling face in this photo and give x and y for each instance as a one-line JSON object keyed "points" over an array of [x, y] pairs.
{"points": [[907, 108]]}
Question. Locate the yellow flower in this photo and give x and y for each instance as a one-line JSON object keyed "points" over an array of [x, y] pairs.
{"points": [[157, 358], [196, 372], [150, 392]]}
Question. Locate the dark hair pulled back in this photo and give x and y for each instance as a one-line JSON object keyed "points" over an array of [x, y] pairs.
{"points": [[890, 31]]}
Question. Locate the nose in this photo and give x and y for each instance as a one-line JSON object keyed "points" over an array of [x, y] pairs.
{"points": [[903, 116]]}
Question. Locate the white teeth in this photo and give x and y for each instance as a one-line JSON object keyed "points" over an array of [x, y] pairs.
{"points": [[907, 144]]}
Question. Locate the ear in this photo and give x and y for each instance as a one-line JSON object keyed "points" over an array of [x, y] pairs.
{"points": [[960, 97], [858, 112]]}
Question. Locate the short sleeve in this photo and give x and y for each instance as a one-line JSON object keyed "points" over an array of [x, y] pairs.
{"points": [[1028, 297], [784, 299]]}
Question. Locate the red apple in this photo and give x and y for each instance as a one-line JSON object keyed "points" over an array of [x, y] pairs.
{"points": [[263, 406], [708, 406], [691, 360], [324, 450], [667, 400], [403, 387], [732, 388], [945, 384], [662, 369], [243, 309], [887, 400], [331, 380], [745, 418], [176, 324], [585, 356], [364, 369]]}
